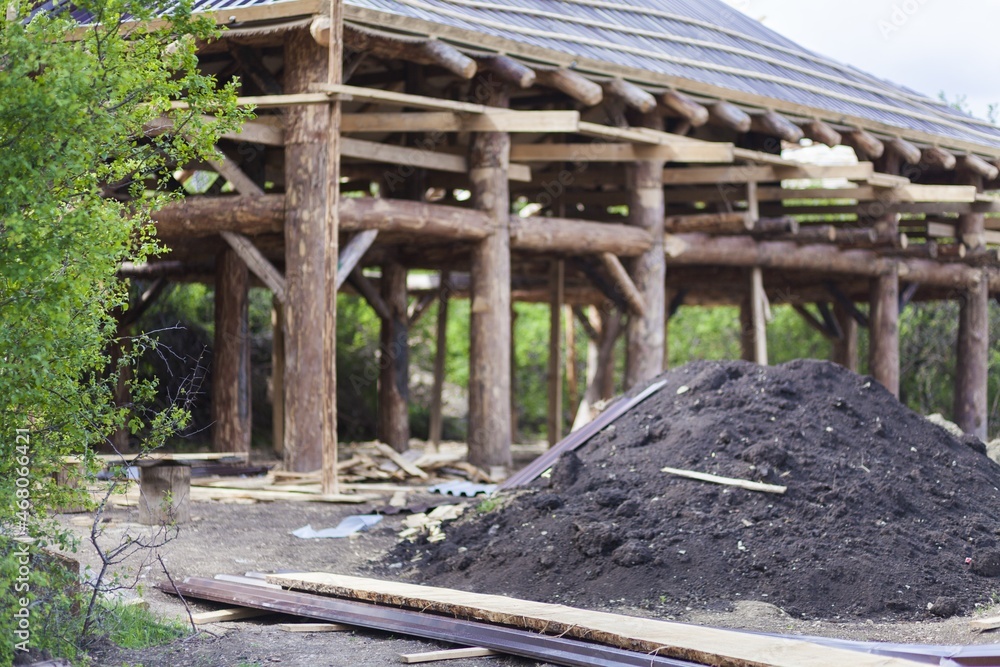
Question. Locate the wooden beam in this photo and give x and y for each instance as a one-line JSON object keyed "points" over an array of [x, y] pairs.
{"points": [[972, 362], [446, 654], [440, 354], [394, 361], [446, 121], [146, 300], [865, 144], [351, 254], [418, 157], [231, 356], [937, 159], [277, 378], [883, 350], [623, 282], [365, 288], [632, 95], [775, 125], [258, 264], [574, 85], [507, 69], [978, 166], [845, 347], [230, 171], [622, 152], [557, 275], [685, 107], [563, 235], [396, 47], [489, 328], [709, 223], [741, 173], [906, 151], [391, 98], [419, 307], [729, 116], [821, 133]]}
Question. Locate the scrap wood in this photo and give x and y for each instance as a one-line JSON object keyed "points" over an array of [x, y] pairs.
{"points": [[228, 614], [314, 627], [475, 474], [981, 624], [398, 459], [726, 481], [682, 641], [447, 654], [199, 493], [430, 523]]}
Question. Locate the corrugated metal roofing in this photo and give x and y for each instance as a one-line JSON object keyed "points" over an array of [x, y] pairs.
{"points": [[704, 41]]}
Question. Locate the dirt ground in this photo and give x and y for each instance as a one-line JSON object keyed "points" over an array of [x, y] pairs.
{"points": [[231, 538]]}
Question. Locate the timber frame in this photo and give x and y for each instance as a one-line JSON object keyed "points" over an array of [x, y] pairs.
{"points": [[633, 197]]}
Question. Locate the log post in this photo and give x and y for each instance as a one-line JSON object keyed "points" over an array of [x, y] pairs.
{"points": [[278, 377], [231, 356], [394, 365], [845, 348], [556, 286], [306, 182], [572, 396], [758, 299], [972, 362], [883, 348], [440, 353], [489, 330], [644, 333]]}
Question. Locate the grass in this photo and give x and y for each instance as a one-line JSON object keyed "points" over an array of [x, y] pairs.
{"points": [[488, 505], [134, 627]]}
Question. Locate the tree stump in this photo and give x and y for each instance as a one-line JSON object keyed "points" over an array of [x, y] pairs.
{"points": [[164, 493]]}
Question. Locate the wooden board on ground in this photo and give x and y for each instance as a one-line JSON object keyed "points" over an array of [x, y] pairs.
{"points": [[396, 458], [314, 627], [229, 614], [447, 654], [990, 623], [677, 640]]}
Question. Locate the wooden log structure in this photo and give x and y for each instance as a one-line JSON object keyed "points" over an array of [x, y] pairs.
{"points": [[574, 85], [775, 125], [685, 107], [845, 346], [507, 69], [821, 133], [644, 334], [436, 426], [906, 151], [630, 94], [865, 144], [730, 116], [489, 430], [231, 356], [394, 364], [557, 284], [937, 159], [972, 361], [883, 346]]}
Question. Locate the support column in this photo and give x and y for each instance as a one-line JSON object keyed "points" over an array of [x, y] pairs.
{"points": [[306, 178], [489, 330], [556, 275], [972, 362], [883, 348], [644, 334], [753, 321], [440, 356], [394, 365], [231, 356], [278, 377], [845, 349]]}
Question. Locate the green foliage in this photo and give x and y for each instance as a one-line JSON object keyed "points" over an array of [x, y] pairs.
{"points": [[136, 627]]}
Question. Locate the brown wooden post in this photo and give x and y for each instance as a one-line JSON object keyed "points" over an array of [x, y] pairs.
{"points": [[644, 334], [306, 191], [845, 349], [278, 377], [747, 338], [611, 329], [556, 275], [883, 348], [394, 365], [121, 346], [231, 355], [440, 356], [489, 330], [515, 431], [572, 394], [972, 363]]}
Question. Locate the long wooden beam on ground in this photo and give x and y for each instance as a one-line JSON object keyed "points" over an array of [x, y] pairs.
{"points": [[704, 645]]}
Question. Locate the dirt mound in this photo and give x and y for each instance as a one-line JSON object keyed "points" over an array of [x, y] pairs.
{"points": [[882, 510]]}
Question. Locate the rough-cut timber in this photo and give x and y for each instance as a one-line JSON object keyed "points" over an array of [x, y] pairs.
{"points": [[883, 347], [394, 366], [231, 356], [440, 354], [164, 493], [306, 187], [194, 217], [822, 133], [489, 431], [578, 236], [644, 333], [729, 116], [972, 363], [685, 107], [845, 346], [775, 125]]}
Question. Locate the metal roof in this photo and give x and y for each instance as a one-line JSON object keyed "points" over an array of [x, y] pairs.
{"points": [[703, 41]]}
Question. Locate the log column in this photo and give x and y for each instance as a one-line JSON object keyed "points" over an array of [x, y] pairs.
{"points": [[394, 366], [489, 330], [845, 348], [306, 176], [231, 356], [883, 349], [972, 363], [644, 334]]}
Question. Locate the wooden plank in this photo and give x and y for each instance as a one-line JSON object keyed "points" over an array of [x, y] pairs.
{"points": [[446, 654], [705, 645], [988, 623], [394, 456], [391, 98], [231, 171], [314, 627], [229, 614], [726, 481], [201, 493], [256, 262], [741, 173], [445, 121], [418, 157], [352, 253]]}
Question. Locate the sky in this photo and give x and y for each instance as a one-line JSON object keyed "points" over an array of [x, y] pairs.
{"points": [[931, 46]]}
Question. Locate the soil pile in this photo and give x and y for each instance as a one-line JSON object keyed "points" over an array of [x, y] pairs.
{"points": [[882, 511]]}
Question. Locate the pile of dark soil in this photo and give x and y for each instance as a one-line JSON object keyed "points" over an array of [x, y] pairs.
{"points": [[882, 511]]}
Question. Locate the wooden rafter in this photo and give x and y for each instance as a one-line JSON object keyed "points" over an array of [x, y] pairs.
{"points": [[258, 264]]}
